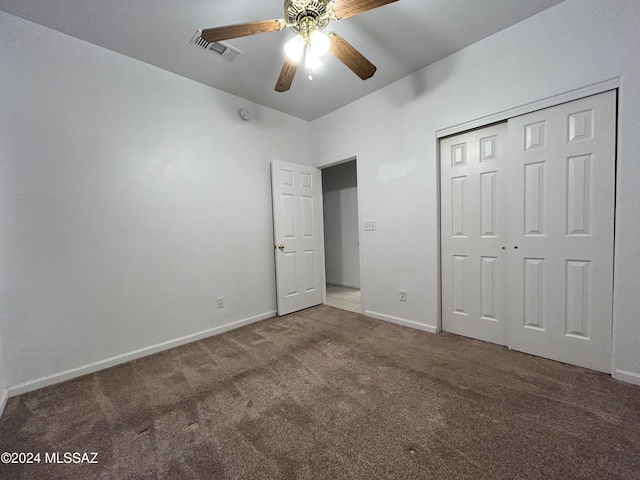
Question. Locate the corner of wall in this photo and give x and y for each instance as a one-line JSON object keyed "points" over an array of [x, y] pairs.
{"points": [[625, 376], [4, 395]]}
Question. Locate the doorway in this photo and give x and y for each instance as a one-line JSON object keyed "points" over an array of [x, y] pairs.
{"points": [[341, 236]]}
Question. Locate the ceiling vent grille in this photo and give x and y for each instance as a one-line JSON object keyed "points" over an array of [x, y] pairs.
{"points": [[219, 49]]}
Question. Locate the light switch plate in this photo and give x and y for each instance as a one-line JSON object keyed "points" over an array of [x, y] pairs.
{"points": [[370, 225]]}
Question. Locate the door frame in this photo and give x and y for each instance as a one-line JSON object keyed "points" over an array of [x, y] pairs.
{"points": [[332, 163], [547, 102], [485, 121]]}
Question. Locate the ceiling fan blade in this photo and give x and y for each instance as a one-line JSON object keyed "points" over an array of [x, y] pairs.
{"points": [[241, 30], [287, 73], [348, 8], [351, 57]]}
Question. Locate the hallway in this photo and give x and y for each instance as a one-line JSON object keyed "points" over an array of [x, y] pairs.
{"points": [[345, 298]]}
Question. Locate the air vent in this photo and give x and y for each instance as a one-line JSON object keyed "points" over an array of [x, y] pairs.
{"points": [[219, 49]]}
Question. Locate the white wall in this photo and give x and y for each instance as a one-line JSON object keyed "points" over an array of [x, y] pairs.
{"points": [[130, 199], [341, 242], [393, 131], [3, 380]]}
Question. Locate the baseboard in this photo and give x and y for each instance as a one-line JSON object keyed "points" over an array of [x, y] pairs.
{"points": [[4, 396], [343, 284], [402, 321], [127, 357], [625, 376]]}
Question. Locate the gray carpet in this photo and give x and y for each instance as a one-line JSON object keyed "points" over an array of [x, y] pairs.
{"points": [[330, 394]]}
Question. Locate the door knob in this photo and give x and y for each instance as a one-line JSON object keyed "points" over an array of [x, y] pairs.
{"points": [[281, 247], [504, 248]]}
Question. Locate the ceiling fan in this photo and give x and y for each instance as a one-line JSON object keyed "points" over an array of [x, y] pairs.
{"points": [[308, 19]]}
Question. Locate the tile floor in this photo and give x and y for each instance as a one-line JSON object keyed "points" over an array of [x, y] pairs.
{"points": [[345, 298]]}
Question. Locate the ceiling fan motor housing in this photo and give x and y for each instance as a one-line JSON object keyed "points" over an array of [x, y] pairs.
{"points": [[303, 16]]}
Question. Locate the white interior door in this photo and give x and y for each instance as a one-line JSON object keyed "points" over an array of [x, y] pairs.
{"points": [[297, 226], [473, 231], [561, 191]]}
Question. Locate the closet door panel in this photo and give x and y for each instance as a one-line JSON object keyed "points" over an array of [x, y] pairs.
{"points": [[473, 229], [561, 213]]}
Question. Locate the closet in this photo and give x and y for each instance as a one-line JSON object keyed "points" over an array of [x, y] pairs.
{"points": [[527, 224]]}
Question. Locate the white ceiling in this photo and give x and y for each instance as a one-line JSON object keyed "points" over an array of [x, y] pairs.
{"points": [[399, 38]]}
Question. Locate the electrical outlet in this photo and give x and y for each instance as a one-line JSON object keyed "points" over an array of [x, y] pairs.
{"points": [[370, 225], [220, 301], [402, 295]]}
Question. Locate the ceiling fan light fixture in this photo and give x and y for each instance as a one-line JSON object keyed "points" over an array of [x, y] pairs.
{"points": [[307, 19], [294, 48], [311, 60], [320, 43]]}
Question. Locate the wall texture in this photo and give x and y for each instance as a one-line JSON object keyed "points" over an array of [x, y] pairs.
{"points": [[341, 242], [393, 131], [3, 379], [130, 199]]}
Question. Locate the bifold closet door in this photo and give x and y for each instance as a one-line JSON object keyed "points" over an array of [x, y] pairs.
{"points": [[473, 233], [561, 219], [542, 187]]}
